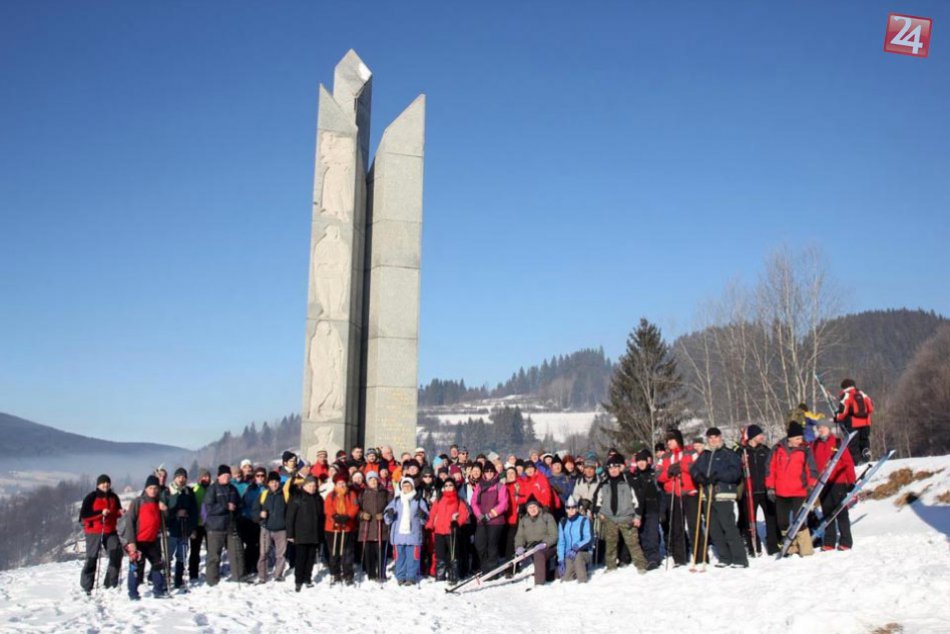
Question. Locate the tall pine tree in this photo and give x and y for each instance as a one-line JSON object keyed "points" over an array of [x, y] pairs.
{"points": [[646, 390]]}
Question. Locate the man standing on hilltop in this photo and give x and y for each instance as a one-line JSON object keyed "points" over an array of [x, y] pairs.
{"points": [[99, 514]]}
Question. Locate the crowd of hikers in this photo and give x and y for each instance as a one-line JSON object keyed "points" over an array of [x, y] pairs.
{"points": [[455, 515]]}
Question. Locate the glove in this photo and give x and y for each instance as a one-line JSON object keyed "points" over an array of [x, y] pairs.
{"points": [[339, 519], [771, 495], [389, 514], [365, 516], [571, 554], [454, 524], [674, 470], [560, 569], [379, 517], [699, 478], [519, 551], [485, 519]]}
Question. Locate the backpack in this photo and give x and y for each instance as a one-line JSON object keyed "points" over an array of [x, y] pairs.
{"points": [[862, 407]]}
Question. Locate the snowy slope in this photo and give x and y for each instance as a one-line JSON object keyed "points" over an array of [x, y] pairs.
{"points": [[899, 573]]}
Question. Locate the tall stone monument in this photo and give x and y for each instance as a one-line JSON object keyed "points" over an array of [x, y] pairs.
{"points": [[361, 365]]}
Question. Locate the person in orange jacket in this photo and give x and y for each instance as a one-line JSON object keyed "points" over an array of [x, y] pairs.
{"points": [[341, 508], [791, 476], [840, 481], [448, 513]]}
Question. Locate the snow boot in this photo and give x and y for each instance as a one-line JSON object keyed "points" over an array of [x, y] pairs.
{"points": [[179, 574], [440, 573]]}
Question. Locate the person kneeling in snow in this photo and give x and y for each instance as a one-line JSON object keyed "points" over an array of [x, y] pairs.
{"points": [[143, 525], [573, 543], [406, 516], [537, 526]]}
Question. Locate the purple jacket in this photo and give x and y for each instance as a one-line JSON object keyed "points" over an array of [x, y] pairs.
{"points": [[490, 496]]}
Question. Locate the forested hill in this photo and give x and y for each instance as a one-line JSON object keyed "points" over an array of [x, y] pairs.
{"points": [[575, 381]]}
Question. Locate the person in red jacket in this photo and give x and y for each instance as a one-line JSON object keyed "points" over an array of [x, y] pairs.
{"points": [[682, 500], [341, 508], [447, 514], [534, 483], [840, 481], [143, 525], [854, 412], [99, 514], [791, 475]]}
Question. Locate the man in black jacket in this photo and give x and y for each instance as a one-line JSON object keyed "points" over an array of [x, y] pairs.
{"points": [[643, 481], [718, 471], [99, 515], [222, 504], [182, 521], [757, 453], [271, 508]]}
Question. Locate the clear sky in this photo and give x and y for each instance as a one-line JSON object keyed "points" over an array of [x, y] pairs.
{"points": [[586, 164]]}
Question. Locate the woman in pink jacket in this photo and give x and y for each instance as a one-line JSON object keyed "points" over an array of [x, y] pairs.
{"points": [[489, 503]]}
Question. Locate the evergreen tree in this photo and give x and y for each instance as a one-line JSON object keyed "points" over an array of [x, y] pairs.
{"points": [[645, 393]]}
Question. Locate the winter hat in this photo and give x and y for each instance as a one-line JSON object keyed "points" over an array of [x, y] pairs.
{"points": [[615, 459], [371, 474], [340, 454], [752, 431], [795, 429], [246, 463], [442, 470], [591, 456], [532, 500], [180, 471], [223, 468], [677, 435], [103, 479], [273, 476], [419, 450], [151, 481], [713, 431], [699, 440], [571, 502], [530, 465], [287, 455], [310, 479], [203, 473], [428, 471], [489, 467], [340, 477], [405, 480], [643, 454], [371, 451]]}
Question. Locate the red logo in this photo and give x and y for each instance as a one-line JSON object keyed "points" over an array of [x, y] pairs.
{"points": [[907, 35]]}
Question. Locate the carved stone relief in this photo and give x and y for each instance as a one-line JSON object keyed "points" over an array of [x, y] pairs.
{"points": [[337, 154], [326, 369], [331, 274]]}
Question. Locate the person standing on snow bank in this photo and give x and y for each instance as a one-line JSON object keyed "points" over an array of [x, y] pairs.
{"points": [[643, 481], [371, 534], [271, 508], [143, 525], [719, 471], [448, 513], [854, 412], [406, 515], [182, 521], [839, 484], [792, 475], [304, 514], [341, 507], [99, 515], [222, 505]]}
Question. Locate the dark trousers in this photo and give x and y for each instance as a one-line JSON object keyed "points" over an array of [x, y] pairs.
{"points": [[465, 550], [676, 539], [510, 531], [446, 557], [649, 533], [487, 540], [194, 552], [725, 534], [542, 563], [96, 545], [374, 559], [831, 499], [759, 501], [341, 554], [150, 552], [306, 556], [250, 533], [785, 511]]}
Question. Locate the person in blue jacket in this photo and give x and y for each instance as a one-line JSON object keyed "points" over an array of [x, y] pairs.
{"points": [[574, 541], [406, 516]]}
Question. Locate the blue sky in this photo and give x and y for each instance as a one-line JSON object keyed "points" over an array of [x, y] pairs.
{"points": [[586, 164]]}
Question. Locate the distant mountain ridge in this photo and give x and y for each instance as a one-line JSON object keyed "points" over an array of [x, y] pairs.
{"points": [[21, 438]]}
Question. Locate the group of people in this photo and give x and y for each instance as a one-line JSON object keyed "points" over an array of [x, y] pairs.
{"points": [[454, 516]]}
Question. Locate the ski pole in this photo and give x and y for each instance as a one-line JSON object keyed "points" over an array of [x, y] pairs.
{"points": [[695, 559], [709, 501]]}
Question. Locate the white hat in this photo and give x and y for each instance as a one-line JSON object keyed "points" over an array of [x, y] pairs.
{"points": [[420, 450], [246, 463]]}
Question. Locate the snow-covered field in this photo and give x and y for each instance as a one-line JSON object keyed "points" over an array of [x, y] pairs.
{"points": [[559, 424], [896, 579]]}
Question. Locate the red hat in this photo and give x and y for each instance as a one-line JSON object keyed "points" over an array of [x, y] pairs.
{"points": [[340, 477]]}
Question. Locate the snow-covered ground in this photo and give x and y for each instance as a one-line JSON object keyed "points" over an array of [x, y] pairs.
{"points": [[897, 577], [559, 424]]}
